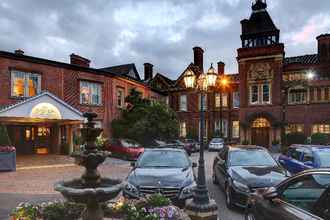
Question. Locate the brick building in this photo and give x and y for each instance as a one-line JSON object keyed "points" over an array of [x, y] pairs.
{"points": [[270, 95], [42, 101]]}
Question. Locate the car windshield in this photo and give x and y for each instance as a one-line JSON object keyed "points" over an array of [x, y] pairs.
{"points": [[251, 158], [163, 158], [217, 140], [324, 156], [128, 143]]}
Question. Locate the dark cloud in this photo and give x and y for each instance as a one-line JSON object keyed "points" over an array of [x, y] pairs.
{"points": [[111, 32]]}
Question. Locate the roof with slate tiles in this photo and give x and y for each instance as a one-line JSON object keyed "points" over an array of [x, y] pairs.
{"points": [[309, 59]]}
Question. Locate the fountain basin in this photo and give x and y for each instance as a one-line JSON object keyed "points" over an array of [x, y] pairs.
{"points": [[75, 191]]}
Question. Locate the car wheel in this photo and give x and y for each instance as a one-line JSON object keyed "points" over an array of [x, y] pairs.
{"points": [[214, 179], [229, 199], [249, 216]]}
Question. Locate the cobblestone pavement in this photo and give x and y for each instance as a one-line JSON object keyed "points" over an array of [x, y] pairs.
{"points": [[36, 184]]}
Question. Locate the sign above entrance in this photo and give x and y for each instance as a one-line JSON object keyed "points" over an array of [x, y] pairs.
{"points": [[46, 111]]}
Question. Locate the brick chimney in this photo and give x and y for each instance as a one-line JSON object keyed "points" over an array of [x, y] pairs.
{"points": [[148, 71], [323, 42], [79, 60], [221, 68], [198, 58], [19, 52]]}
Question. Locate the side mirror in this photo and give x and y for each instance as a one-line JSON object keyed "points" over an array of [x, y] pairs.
{"points": [[133, 164], [194, 165], [308, 163], [271, 194]]}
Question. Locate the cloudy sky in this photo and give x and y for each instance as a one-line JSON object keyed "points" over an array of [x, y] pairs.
{"points": [[163, 32]]}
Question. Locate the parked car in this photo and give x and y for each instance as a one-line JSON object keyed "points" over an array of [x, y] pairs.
{"points": [[216, 144], [180, 144], [241, 170], [302, 157], [167, 171], [127, 149], [303, 196]]}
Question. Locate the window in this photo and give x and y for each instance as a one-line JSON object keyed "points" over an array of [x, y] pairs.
{"points": [[297, 96], [236, 100], [167, 100], [224, 128], [25, 84], [235, 129], [265, 93], [120, 97], [183, 129], [260, 94], [224, 99], [294, 128], [183, 102], [321, 128], [260, 123], [311, 186], [217, 100], [90, 93], [204, 102], [254, 94]]}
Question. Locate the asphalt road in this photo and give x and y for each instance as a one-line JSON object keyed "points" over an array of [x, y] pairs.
{"points": [[215, 192], [8, 201]]}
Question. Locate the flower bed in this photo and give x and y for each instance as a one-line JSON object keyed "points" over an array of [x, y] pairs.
{"points": [[154, 207], [7, 158]]}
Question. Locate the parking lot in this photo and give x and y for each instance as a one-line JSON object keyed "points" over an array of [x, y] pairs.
{"points": [[36, 184]]}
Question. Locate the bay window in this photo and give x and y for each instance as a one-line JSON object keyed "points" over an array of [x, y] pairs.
{"points": [[90, 93], [25, 84]]}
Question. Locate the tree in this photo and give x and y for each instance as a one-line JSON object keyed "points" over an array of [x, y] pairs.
{"points": [[4, 138], [145, 121]]}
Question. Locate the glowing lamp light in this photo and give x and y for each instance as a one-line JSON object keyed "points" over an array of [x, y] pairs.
{"points": [[189, 79], [310, 75], [211, 77], [224, 81]]}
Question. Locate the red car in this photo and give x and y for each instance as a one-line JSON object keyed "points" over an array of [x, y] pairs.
{"points": [[124, 148]]}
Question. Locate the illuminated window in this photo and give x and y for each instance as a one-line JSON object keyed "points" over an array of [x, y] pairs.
{"points": [[321, 128], [90, 93], [25, 84], [183, 102], [43, 131], [297, 96], [235, 129], [217, 100], [294, 128], [183, 129], [120, 97], [261, 123]]}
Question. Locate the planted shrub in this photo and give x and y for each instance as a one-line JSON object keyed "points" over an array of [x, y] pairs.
{"points": [[319, 138], [295, 138]]}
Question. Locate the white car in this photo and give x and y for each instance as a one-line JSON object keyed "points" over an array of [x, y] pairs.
{"points": [[216, 144]]}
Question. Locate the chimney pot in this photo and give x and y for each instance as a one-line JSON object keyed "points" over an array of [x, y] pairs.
{"points": [[79, 60], [148, 71], [19, 52], [198, 58], [221, 68]]}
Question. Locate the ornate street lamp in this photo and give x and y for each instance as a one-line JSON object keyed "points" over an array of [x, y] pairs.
{"points": [[201, 206]]}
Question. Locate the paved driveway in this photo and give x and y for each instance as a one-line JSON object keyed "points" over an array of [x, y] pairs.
{"points": [[36, 184]]}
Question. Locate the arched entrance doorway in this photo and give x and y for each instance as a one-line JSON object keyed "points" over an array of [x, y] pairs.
{"points": [[260, 132]]}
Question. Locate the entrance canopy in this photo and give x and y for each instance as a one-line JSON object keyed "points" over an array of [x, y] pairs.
{"points": [[43, 107]]}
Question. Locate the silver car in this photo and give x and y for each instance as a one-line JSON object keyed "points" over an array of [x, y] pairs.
{"points": [[216, 144]]}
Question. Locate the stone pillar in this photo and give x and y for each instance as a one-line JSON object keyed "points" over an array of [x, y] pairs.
{"points": [[69, 137], [56, 139]]}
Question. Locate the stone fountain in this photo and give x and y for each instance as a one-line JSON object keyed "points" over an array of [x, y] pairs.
{"points": [[91, 189]]}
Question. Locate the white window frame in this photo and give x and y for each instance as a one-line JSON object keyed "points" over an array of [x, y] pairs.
{"points": [[26, 76], [269, 93], [260, 95], [89, 85], [122, 98], [236, 95], [183, 129], [183, 103], [251, 94], [292, 98]]}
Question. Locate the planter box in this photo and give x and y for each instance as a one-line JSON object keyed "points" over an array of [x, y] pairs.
{"points": [[7, 161]]}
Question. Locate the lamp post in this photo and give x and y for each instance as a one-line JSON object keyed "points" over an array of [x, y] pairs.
{"points": [[201, 206]]}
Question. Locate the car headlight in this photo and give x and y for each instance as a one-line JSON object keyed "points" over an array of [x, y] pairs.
{"points": [[131, 189], [240, 186], [187, 191]]}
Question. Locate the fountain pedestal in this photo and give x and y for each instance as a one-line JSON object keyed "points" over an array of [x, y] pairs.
{"points": [[91, 189]]}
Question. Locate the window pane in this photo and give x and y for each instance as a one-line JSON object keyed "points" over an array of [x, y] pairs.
{"points": [[183, 129], [183, 103], [236, 100], [90, 93], [18, 84], [120, 97], [235, 129], [217, 100], [265, 93], [224, 99], [254, 93], [25, 84]]}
